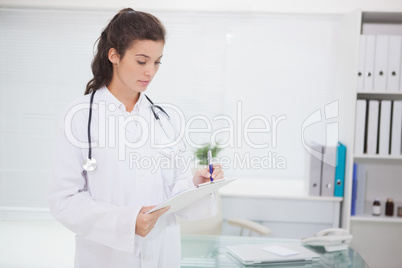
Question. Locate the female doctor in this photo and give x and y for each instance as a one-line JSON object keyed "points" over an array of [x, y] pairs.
{"points": [[99, 189]]}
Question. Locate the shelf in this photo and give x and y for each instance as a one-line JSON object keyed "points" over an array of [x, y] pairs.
{"points": [[381, 17], [379, 159], [270, 188], [380, 95], [369, 218]]}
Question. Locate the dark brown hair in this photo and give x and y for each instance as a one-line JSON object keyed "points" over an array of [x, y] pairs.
{"points": [[123, 30]]}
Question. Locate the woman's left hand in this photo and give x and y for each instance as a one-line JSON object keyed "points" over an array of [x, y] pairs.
{"points": [[203, 175]]}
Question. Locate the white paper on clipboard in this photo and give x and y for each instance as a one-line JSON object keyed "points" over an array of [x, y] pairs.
{"points": [[190, 196]]}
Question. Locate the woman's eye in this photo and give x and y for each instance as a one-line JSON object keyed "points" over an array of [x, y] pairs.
{"points": [[141, 62], [158, 62]]}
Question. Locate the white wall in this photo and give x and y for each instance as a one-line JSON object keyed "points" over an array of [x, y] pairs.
{"points": [[288, 6], [200, 46]]}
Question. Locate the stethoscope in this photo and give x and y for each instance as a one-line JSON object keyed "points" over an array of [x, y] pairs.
{"points": [[90, 163]]}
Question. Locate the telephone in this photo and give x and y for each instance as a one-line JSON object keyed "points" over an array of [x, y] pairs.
{"points": [[331, 239]]}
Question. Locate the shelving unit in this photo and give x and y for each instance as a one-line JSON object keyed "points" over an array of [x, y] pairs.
{"points": [[383, 172], [379, 23]]}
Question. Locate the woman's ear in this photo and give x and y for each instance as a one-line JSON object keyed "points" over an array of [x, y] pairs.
{"points": [[113, 56]]}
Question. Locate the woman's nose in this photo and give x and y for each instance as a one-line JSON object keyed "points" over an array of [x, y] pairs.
{"points": [[150, 71]]}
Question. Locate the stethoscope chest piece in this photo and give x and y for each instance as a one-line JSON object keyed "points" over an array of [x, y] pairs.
{"points": [[90, 164]]}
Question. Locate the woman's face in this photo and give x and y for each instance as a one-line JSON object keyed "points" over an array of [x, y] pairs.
{"points": [[133, 72]]}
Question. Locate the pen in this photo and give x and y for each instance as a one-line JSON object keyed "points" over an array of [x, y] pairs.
{"points": [[211, 169]]}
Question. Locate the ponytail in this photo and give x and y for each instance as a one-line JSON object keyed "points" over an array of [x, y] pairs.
{"points": [[102, 68]]}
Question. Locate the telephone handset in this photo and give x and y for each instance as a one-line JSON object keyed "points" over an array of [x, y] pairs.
{"points": [[331, 239]]}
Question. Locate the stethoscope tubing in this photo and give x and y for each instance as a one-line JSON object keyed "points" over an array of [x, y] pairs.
{"points": [[90, 163], [89, 125]]}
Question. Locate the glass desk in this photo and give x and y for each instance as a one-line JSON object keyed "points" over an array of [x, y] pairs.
{"points": [[210, 251]]}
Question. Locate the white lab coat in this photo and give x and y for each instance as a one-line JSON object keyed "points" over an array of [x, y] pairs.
{"points": [[101, 206]]}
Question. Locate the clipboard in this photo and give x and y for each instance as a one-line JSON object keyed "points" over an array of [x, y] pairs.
{"points": [[190, 196]]}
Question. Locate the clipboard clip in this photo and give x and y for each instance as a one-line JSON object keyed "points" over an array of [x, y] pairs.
{"points": [[204, 184], [210, 182]]}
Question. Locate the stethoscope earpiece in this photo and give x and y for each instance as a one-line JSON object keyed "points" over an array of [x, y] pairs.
{"points": [[90, 164]]}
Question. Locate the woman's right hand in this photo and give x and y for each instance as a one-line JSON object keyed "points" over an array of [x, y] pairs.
{"points": [[146, 222]]}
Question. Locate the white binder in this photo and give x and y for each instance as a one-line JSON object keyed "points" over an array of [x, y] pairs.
{"points": [[314, 168], [381, 62], [369, 63], [361, 189], [396, 134], [394, 63], [360, 126], [385, 127], [328, 171], [360, 71], [372, 126]]}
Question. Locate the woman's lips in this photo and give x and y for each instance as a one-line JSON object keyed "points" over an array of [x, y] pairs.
{"points": [[144, 83]]}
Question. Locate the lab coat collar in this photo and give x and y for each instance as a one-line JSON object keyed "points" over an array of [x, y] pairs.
{"points": [[110, 98]]}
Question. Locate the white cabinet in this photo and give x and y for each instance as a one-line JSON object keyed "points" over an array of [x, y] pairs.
{"points": [[281, 205]]}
